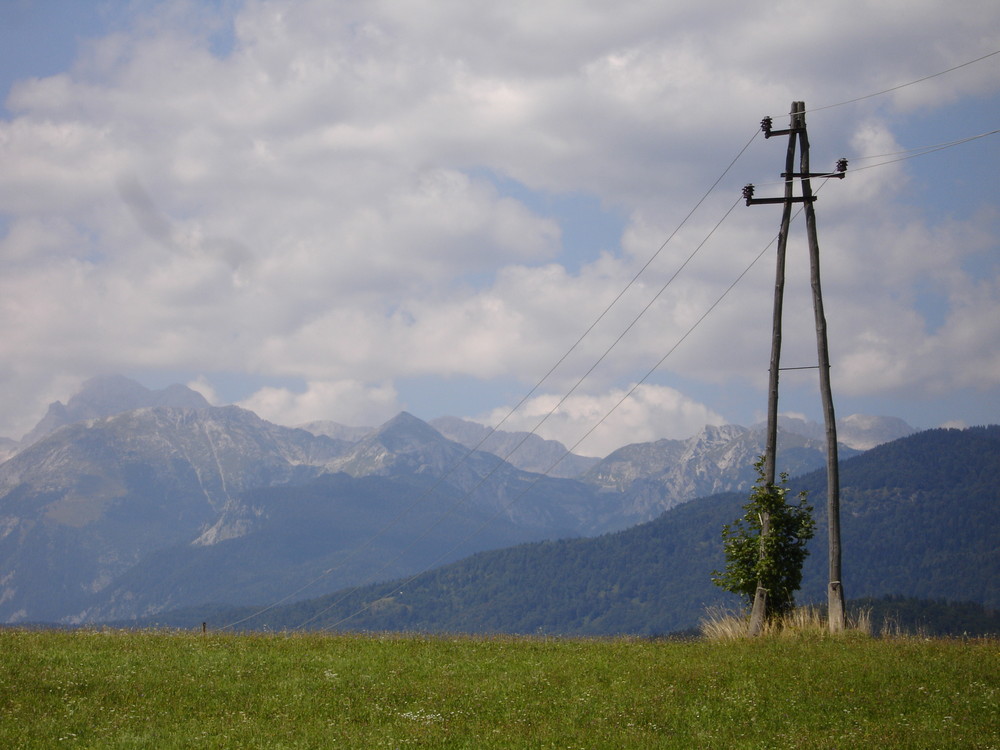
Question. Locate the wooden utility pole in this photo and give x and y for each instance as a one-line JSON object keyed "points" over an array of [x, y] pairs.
{"points": [[835, 589], [759, 610], [797, 132]]}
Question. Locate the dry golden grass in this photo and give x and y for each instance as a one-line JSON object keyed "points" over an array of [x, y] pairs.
{"points": [[726, 625]]}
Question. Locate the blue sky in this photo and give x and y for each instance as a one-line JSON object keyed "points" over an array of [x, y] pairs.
{"points": [[340, 210]]}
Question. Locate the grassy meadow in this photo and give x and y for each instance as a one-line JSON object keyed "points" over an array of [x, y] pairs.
{"points": [[156, 689]]}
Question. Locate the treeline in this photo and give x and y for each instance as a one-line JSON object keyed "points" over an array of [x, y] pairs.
{"points": [[896, 614], [888, 616]]}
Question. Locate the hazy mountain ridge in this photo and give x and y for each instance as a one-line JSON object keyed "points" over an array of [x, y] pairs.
{"points": [[858, 431], [522, 449], [229, 449], [336, 430], [920, 518], [97, 500], [82, 505], [174, 499], [107, 396], [330, 531], [654, 477], [8, 448], [408, 447]]}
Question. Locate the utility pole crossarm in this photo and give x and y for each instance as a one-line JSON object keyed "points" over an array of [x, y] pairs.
{"points": [[839, 173], [751, 201], [765, 126]]}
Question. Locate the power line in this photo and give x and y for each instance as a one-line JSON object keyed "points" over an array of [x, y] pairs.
{"points": [[579, 441], [567, 452], [552, 411], [904, 85], [621, 294], [587, 434], [933, 147], [903, 155], [600, 317], [907, 154], [920, 151], [504, 459]]}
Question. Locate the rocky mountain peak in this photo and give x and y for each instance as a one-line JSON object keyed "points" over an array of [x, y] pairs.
{"points": [[404, 440], [863, 432], [713, 434], [404, 429], [524, 450], [108, 395], [857, 431], [336, 430]]}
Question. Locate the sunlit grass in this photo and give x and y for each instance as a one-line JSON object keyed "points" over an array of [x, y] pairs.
{"points": [[160, 690], [725, 625]]}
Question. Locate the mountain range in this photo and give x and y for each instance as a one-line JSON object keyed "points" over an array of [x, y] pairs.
{"points": [[126, 502], [920, 520]]}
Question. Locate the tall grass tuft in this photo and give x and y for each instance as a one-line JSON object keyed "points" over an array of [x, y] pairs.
{"points": [[720, 624], [725, 625]]}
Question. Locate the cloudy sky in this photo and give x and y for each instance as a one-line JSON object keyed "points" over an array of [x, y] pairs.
{"points": [[339, 209]]}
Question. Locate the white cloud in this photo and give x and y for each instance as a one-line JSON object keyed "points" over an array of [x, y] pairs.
{"points": [[203, 385], [630, 415], [347, 402], [356, 194]]}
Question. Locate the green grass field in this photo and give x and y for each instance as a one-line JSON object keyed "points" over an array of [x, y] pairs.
{"points": [[116, 689]]}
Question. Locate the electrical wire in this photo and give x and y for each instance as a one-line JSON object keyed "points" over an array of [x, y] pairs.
{"points": [[621, 294], [920, 151], [552, 411], [604, 313], [621, 401], [932, 147], [903, 85], [505, 458], [903, 155], [441, 558]]}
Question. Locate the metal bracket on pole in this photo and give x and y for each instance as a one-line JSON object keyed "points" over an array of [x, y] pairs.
{"points": [[751, 201], [840, 173], [765, 126]]}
